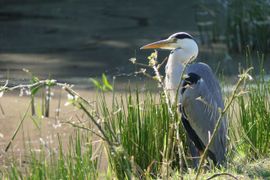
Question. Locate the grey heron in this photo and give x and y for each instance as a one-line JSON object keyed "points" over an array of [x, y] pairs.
{"points": [[200, 95]]}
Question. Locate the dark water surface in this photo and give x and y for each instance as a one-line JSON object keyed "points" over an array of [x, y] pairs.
{"points": [[72, 40]]}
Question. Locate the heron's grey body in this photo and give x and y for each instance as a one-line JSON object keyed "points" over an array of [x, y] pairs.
{"points": [[201, 104], [199, 95]]}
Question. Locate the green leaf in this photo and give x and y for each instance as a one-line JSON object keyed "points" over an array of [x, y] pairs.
{"points": [[34, 79], [34, 90], [106, 82], [96, 83]]}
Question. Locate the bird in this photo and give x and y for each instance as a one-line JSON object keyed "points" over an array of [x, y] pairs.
{"points": [[199, 97]]}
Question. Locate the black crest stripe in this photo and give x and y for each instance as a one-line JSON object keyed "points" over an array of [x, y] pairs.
{"points": [[183, 36]]}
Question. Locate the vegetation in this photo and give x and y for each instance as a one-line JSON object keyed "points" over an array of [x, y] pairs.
{"points": [[246, 24], [254, 117], [248, 21], [139, 134], [76, 163], [143, 136]]}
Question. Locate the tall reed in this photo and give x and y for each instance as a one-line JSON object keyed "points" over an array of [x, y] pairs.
{"points": [[77, 162], [254, 116]]}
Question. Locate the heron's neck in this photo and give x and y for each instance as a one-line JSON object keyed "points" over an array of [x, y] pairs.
{"points": [[174, 67], [174, 70]]}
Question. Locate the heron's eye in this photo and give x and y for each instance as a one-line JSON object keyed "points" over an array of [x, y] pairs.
{"points": [[174, 40]]}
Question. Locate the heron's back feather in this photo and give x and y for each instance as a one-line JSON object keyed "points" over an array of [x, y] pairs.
{"points": [[201, 102]]}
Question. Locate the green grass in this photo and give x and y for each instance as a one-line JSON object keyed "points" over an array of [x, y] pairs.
{"points": [[254, 116], [135, 128], [76, 163], [140, 123]]}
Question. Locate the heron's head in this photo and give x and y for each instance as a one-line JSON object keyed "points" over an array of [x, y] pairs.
{"points": [[181, 40]]}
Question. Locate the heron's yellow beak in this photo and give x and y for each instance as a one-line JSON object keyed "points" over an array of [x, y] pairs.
{"points": [[162, 44]]}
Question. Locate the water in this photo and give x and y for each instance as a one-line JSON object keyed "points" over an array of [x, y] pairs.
{"points": [[74, 40]]}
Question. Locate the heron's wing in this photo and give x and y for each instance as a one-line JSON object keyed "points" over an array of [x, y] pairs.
{"points": [[201, 101], [206, 73]]}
